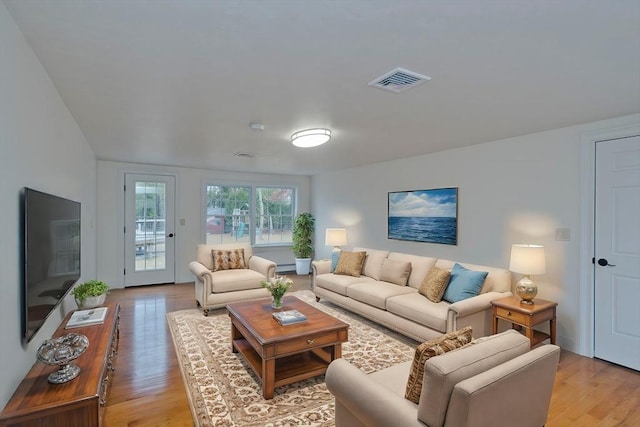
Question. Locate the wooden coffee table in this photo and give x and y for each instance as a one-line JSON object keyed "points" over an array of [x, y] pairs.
{"points": [[282, 355]]}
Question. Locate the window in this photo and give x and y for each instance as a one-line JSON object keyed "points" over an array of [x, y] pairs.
{"points": [[229, 215], [227, 218], [274, 215]]}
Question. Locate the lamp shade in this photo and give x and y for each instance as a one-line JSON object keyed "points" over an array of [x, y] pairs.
{"points": [[527, 259], [310, 137], [335, 237]]}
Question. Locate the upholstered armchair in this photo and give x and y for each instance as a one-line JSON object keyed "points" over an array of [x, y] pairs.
{"points": [[227, 273], [493, 382]]}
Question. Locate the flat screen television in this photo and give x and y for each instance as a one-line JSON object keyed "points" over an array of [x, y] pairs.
{"points": [[51, 240]]}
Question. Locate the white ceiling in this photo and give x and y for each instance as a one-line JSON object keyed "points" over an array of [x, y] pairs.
{"points": [[178, 82]]}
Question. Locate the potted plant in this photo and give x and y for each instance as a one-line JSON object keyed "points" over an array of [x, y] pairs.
{"points": [[90, 294], [302, 241]]}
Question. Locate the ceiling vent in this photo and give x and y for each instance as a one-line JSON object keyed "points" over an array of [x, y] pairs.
{"points": [[399, 80], [245, 155]]}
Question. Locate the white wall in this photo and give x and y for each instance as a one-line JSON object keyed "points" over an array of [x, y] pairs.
{"points": [[518, 190], [41, 147], [189, 206]]}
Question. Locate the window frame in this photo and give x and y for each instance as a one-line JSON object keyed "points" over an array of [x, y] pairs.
{"points": [[253, 215]]}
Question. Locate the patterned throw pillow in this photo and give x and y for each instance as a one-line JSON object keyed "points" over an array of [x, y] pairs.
{"points": [[429, 349], [350, 263], [228, 260], [435, 283]]}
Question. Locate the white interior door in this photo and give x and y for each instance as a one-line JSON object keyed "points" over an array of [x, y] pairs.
{"points": [[617, 252], [149, 229]]}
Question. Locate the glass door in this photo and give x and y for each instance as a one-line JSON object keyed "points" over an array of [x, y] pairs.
{"points": [[149, 224]]}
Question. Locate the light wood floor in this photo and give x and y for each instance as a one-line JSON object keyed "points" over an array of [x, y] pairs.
{"points": [[147, 388]]}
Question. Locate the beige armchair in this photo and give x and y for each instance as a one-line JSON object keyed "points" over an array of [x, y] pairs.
{"points": [[495, 381], [216, 289]]}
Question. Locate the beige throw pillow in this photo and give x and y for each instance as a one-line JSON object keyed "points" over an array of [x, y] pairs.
{"points": [[350, 263], [228, 259], [435, 283], [395, 271], [429, 349]]}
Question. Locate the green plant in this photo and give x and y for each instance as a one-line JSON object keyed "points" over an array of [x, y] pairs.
{"points": [[90, 288], [277, 286], [302, 235]]}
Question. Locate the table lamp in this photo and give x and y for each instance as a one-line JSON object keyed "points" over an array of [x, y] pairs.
{"points": [[527, 260]]}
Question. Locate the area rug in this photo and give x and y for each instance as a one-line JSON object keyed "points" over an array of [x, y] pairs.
{"points": [[223, 390]]}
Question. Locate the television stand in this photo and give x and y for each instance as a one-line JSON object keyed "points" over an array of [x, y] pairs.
{"points": [[79, 402]]}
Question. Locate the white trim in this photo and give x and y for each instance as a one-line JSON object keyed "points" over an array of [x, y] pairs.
{"points": [[587, 192]]}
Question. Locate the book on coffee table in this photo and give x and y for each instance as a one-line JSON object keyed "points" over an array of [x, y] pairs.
{"points": [[289, 317], [95, 316]]}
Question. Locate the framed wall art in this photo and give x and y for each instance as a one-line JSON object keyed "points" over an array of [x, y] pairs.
{"points": [[424, 216]]}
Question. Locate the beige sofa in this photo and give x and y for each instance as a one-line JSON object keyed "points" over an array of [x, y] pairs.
{"points": [[219, 288], [402, 308], [493, 382]]}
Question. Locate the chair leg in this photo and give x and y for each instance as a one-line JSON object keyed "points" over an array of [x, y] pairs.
{"points": [[205, 311]]}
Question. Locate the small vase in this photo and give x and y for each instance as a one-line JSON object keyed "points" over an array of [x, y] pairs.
{"points": [[276, 302]]}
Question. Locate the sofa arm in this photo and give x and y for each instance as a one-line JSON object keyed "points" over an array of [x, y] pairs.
{"points": [[262, 266], [199, 270], [365, 400], [203, 283], [476, 310], [321, 266], [494, 396], [475, 304]]}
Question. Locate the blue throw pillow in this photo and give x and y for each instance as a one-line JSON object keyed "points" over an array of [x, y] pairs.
{"points": [[463, 284], [335, 255]]}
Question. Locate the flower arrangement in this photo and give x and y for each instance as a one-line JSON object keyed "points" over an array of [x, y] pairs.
{"points": [[277, 287]]}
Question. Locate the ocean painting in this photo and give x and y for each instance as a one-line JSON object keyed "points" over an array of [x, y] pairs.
{"points": [[424, 216]]}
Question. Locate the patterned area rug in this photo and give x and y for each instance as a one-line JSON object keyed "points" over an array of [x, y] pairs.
{"points": [[223, 390]]}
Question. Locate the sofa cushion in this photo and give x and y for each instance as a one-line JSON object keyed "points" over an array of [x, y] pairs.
{"points": [[420, 310], [236, 280], [429, 349], [420, 266], [373, 263], [435, 283], [339, 283], [376, 293], [463, 284], [442, 373], [393, 378], [229, 259], [350, 263], [395, 271]]}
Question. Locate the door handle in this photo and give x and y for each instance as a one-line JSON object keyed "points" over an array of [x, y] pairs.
{"points": [[604, 263], [170, 235]]}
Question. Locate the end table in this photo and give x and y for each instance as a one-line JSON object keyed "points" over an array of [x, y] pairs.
{"points": [[527, 316]]}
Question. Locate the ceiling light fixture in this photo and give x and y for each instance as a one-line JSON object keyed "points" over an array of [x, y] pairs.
{"points": [[310, 137]]}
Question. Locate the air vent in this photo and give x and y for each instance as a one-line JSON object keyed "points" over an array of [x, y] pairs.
{"points": [[399, 80], [245, 155]]}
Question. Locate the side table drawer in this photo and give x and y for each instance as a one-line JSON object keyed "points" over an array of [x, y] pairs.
{"points": [[512, 316], [305, 343]]}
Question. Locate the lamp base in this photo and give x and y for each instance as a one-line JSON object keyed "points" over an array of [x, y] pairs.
{"points": [[526, 290]]}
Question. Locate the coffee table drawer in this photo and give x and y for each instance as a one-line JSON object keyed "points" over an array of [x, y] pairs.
{"points": [[304, 343], [511, 315]]}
